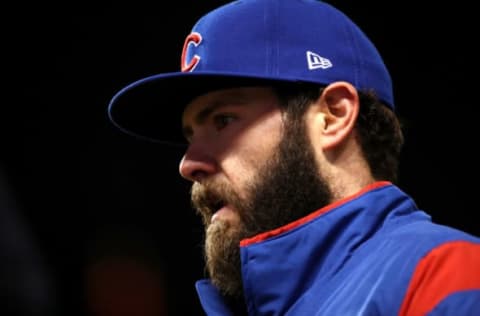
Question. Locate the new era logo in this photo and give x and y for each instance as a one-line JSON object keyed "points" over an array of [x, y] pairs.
{"points": [[316, 61]]}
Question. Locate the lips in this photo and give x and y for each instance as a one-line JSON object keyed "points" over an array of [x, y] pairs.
{"points": [[216, 214], [226, 214], [213, 201], [207, 202], [217, 205]]}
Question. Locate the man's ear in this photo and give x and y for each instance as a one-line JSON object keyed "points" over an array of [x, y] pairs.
{"points": [[334, 114]]}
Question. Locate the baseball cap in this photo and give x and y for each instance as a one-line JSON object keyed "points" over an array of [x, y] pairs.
{"points": [[250, 42]]}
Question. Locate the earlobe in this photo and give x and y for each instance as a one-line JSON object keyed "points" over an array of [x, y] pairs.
{"points": [[339, 107]]}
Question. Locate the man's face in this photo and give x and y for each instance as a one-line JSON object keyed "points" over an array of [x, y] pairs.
{"points": [[253, 170]]}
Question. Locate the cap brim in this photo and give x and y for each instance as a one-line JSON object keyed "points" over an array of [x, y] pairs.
{"points": [[151, 108]]}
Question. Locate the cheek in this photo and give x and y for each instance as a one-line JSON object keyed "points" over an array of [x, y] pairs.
{"points": [[250, 155], [262, 142], [250, 151]]}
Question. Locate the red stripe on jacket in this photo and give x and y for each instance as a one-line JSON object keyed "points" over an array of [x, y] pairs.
{"points": [[450, 268]]}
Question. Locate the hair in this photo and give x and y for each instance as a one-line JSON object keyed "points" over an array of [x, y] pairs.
{"points": [[378, 128]]}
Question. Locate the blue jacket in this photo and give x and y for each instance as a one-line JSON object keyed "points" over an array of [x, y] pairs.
{"points": [[373, 253]]}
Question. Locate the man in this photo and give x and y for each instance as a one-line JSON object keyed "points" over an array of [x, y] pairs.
{"points": [[293, 148]]}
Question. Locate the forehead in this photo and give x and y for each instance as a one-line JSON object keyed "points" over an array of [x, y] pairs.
{"points": [[257, 96]]}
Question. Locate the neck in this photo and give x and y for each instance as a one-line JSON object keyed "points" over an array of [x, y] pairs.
{"points": [[348, 172]]}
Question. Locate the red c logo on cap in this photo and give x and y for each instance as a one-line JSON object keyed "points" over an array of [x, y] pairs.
{"points": [[195, 39]]}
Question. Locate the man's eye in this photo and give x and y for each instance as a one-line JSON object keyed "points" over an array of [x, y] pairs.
{"points": [[222, 120]]}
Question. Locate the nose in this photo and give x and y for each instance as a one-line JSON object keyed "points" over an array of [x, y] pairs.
{"points": [[196, 165]]}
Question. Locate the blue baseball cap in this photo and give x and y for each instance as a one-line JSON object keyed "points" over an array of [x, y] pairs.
{"points": [[249, 42]]}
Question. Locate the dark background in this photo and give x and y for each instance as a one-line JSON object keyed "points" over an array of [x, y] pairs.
{"points": [[77, 187]]}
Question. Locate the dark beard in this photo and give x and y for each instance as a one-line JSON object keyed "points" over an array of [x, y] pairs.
{"points": [[285, 189]]}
